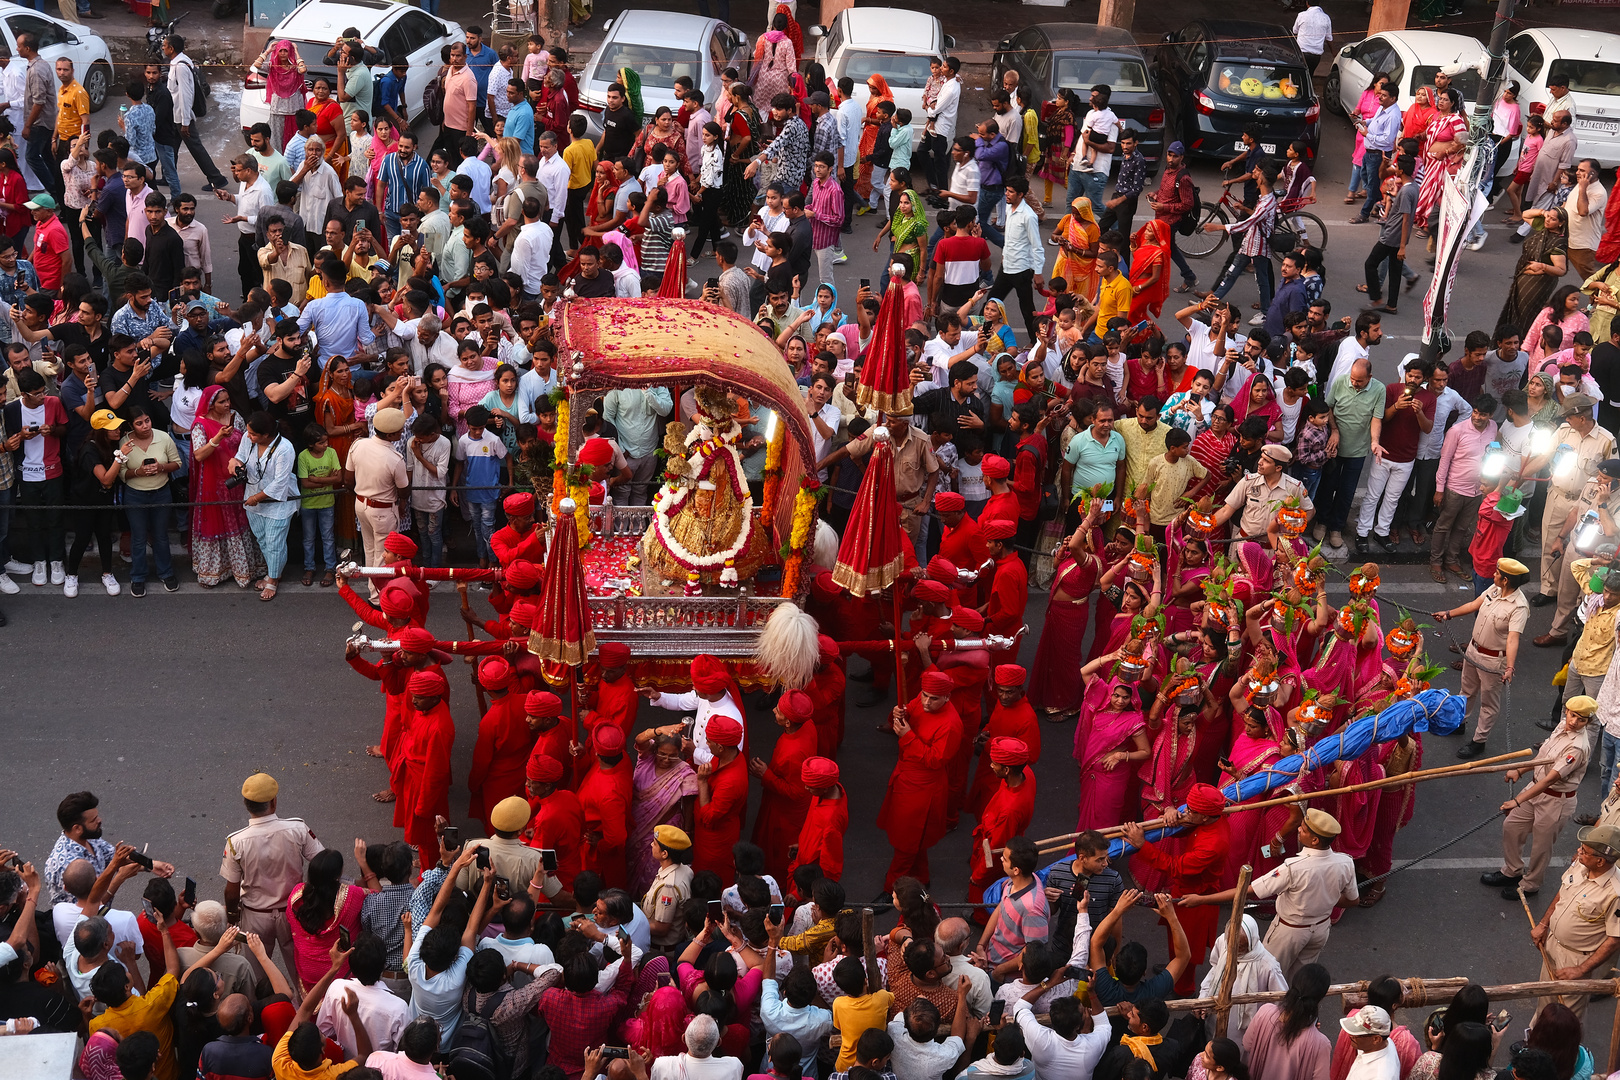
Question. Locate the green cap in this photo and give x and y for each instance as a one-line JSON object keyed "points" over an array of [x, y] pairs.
{"points": [[42, 201]]}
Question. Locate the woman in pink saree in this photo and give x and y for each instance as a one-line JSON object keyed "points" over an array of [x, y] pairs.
{"points": [[385, 141], [221, 544], [1168, 775], [1395, 758], [1129, 600], [1254, 750], [1258, 397], [283, 89], [665, 788], [1356, 811], [1055, 684], [1106, 742], [1189, 562]]}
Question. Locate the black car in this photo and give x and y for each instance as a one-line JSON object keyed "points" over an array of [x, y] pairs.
{"points": [[1050, 56], [1219, 77]]}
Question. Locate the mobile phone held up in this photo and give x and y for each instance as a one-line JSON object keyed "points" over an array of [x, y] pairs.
{"points": [[777, 910], [548, 859], [610, 1053], [717, 911], [481, 858], [997, 1007], [343, 939], [190, 893], [451, 835]]}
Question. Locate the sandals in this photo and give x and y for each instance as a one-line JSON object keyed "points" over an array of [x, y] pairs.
{"points": [[269, 591], [1187, 286], [1351, 197], [309, 578], [1371, 896]]}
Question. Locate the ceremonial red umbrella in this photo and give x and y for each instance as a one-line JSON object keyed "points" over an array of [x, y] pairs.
{"points": [[885, 380], [562, 627], [673, 287], [870, 554]]}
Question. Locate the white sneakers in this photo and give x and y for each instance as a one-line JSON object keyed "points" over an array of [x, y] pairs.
{"points": [[57, 573], [15, 567], [70, 587], [110, 583], [7, 586], [39, 573]]}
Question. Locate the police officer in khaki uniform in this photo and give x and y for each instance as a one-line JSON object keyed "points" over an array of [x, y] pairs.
{"points": [[264, 863], [1581, 930], [1488, 660], [511, 857], [1541, 811], [1565, 547], [1257, 495], [1591, 444]]}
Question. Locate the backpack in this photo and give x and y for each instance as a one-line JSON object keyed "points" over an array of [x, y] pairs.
{"points": [[200, 91], [475, 1053], [1189, 221], [433, 100]]}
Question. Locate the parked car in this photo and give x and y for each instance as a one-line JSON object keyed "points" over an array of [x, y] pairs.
{"points": [[397, 30], [92, 63], [1591, 62], [1411, 58], [1218, 77], [1051, 56], [660, 46], [892, 42]]}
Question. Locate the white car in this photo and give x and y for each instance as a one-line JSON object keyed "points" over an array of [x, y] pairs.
{"points": [[1411, 58], [892, 42], [1591, 62], [660, 46], [92, 63], [396, 29]]}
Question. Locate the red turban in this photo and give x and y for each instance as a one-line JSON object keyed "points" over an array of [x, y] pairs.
{"points": [[523, 612], [709, 676], [542, 703], [826, 648], [967, 619], [994, 467], [724, 731], [1009, 751], [932, 592], [937, 682], [427, 684], [795, 705], [824, 584], [998, 529], [1206, 799], [947, 501], [613, 654], [399, 544], [942, 569], [543, 768], [521, 574], [1009, 675], [396, 601], [596, 452], [818, 772], [415, 639], [519, 504], [608, 739], [494, 674]]}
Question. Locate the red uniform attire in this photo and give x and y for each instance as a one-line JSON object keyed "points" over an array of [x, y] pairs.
{"points": [[559, 823], [426, 793], [786, 800], [719, 822], [617, 702], [1009, 595], [1019, 723], [964, 546], [1003, 505], [502, 750], [821, 837], [1195, 869], [509, 544], [968, 669], [604, 797], [826, 692], [1006, 815], [1029, 471], [913, 813]]}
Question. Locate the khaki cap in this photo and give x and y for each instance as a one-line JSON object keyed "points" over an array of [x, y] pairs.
{"points": [[260, 787], [1603, 839], [389, 421], [1581, 706], [510, 814], [1322, 823], [1512, 567]]}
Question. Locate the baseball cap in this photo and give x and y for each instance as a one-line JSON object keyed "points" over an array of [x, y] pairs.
{"points": [[1369, 1020], [42, 201]]}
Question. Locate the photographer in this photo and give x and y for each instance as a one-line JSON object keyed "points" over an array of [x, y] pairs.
{"points": [[263, 466], [286, 377]]}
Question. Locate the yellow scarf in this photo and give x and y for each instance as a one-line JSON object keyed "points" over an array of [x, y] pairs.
{"points": [[1139, 1044]]}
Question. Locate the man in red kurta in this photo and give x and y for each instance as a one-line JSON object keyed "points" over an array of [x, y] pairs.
{"points": [[1011, 718], [397, 601], [932, 617], [417, 652], [1195, 870], [821, 838], [558, 822], [504, 742], [542, 712], [426, 793], [826, 692], [785, 801], [519, 539], [1003, 502], [1007, 813], [722, 800], [604, 797], [968, 670], [1029, 470], [1009, 589], [913, 813], [960, 542], [616, 697]]}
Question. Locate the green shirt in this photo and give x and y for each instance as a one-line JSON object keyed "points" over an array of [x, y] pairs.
{"points": [[358, 86], [316, 496], [1353, 412]]}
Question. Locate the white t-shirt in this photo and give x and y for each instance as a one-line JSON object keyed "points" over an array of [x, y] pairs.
{"points": [[1585, 230], [1104, 122], [828, 414], [527, 951], [913, 1060], [1382, 1064], [687, 1067], [1116, 370], [1202, 353], [1313, 30], [751, 236], [65, 916], [1350, 350], [1290, 413], [965, 181], [33, 464]]}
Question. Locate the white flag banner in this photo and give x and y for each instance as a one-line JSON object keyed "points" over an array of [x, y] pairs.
{"points": [[1461, 205]]}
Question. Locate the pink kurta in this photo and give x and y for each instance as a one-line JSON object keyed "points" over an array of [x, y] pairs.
{"points": [[1269, 1058]]}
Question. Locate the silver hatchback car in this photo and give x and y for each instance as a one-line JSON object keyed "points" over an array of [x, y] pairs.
{"points": [[660, 46]]}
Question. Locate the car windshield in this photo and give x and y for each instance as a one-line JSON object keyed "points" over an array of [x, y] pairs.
{"points": [[900, 71], [1589, 76], [1257, 81], [1466, 83], [314, 56], [658, 66], [1084, 72]]}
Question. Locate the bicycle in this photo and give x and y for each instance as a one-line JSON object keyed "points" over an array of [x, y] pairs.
{"points": [[1201, 244]]}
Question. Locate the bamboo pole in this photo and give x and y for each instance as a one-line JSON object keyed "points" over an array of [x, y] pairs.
{"points": [[1540, 948], [1422, 993], [1223, 998], [1489, 765]]}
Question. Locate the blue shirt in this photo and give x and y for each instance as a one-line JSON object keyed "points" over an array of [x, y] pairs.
{"points": [[340, 324], [520, 126], [404, 180], [807, 1025], [482, 458], [1383, 129], [126, 321], [482, 63], [393, 93], [992, 157], [438, 996], [1291, 297], [531, 387], [140, 124], [294, 153]]}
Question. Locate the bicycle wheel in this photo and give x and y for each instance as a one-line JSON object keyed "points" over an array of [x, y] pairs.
{"points": [[1311, 231], [1201, 244]]}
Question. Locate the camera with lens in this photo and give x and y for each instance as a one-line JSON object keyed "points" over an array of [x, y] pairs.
{"points": [[236, 480]]}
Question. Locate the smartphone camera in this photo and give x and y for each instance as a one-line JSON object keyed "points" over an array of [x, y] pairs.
{"points": [[716, 911], [140, 860], [777, 911], [343, 938], [548, 860], [610, 1053], [482, 858], [451, 835]]}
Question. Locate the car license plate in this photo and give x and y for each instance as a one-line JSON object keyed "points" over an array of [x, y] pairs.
{"points": [[1606, 127], [1270, 148]]}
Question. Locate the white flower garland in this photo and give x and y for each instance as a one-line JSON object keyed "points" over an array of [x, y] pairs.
{"points": [[670, 499]]}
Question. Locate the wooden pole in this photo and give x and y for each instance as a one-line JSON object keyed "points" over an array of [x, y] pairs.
{"points": [[466, 616], [1540, 948], [1420, 992], [874, 981], [1223, 998], [899, 653]]}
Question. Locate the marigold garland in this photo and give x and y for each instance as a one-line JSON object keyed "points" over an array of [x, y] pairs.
{"points": [[804, 513], [773, 470], [559, 476]]}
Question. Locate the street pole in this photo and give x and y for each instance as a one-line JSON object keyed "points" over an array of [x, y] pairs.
{"points": [[1479, 127]]}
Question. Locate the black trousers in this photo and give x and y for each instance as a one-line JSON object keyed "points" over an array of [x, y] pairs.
{"points": [[708, 217], [939, 162], [1381, 253], [90, 525], [1120, 217], [847, 182], [247, 262], [1023, 283], [449, 140], [574, 214]]}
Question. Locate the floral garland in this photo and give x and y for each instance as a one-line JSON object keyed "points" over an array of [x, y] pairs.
{"points": [[773, 468], [804, 514], [559, 476], [671, 498]]}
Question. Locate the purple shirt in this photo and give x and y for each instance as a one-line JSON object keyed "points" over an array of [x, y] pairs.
{"points": [[826, 212], [1461, 455]]}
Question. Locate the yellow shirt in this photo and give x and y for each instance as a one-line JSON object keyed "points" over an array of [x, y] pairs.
{"points": [[852, 1016], [1113, 298], [1170, 480], [1141, 447], [282, 1064], [581, 158], [72, 106], [148, 1013]]}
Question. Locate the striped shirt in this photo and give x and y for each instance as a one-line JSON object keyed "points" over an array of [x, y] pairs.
{"points": [[380, 912], [1023, 919], [1256, 228]]}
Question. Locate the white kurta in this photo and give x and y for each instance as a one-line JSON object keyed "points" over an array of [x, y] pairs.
{"points": [[702, 708]]}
